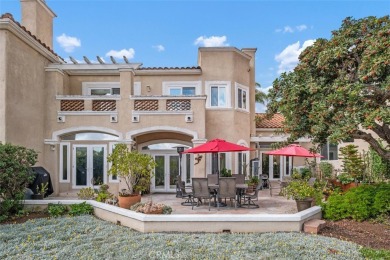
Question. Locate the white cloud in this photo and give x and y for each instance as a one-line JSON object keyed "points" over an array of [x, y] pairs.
{"points": [[159, 48], [291, 29], [288, 29], [119, 54], [68, 43], [288, 58], [301, 27], [213, 41]]}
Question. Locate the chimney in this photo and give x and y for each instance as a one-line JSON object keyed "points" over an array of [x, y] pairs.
{"points": [[37, 17]]}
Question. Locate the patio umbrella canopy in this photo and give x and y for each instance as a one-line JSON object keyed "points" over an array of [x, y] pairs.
{"points": [[216, 146], [293, 150]]}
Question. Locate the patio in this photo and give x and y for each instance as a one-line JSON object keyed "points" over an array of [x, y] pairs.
{"points": [[267, 205]]}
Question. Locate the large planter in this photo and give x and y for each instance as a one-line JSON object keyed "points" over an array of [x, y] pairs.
{"points": [[128, 201], [304, 204], [346, 187]]}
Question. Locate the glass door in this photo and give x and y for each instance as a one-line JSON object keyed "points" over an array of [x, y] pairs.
{"points": [[89, 165], [271, 165], [165, 173]]}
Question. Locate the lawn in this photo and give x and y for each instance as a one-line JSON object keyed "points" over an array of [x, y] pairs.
{"points": [[87, 237]]}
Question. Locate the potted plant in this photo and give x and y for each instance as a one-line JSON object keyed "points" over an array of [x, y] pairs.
{"points": [[252, 183], [41, 191], [301, 191], [226, 173], [347, 181], [135, 169]]}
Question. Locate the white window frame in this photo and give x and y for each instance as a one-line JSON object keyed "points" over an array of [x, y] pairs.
{"points": [[111, 147], [227, 85], [88, 86], [327, 157], [209, 162], [246, 89], [62, 162], [168, 85], [243, 143], [137, 88]]}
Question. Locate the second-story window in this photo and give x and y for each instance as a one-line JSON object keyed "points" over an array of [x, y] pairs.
{"points": [[242, 97], [218, 94], [181, 88], [100, 88], [182, 91]]}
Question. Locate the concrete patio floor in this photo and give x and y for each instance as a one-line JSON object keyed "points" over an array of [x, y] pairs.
{"points": [[267, 205]]}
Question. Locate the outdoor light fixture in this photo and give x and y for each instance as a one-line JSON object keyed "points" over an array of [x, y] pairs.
{"points": [[148, 88]]}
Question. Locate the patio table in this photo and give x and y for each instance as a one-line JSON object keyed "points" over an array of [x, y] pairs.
{"points": [[240, 187]]}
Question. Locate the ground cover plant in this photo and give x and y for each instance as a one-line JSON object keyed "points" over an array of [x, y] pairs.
{"points": [[91, 238]]}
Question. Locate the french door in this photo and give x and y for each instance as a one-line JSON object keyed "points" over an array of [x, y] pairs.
{"points": [[275, 166], [89, 165], [165, 173]]}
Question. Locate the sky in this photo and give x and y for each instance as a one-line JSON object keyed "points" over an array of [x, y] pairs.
{"points": [[169, 33]]}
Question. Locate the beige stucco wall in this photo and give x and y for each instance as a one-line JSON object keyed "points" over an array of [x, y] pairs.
{"points": [[3, 85], [25, 95], [38, 19]]}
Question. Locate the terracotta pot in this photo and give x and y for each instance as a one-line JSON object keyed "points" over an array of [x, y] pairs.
{"points": [[346, 187], [127, 202], [304, 204]]}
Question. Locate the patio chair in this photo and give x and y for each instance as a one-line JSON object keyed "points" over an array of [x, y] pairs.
{"points": [[188, 196], [200, 190], [212, 179], [240, 178], [227, 189], [250, 197]]}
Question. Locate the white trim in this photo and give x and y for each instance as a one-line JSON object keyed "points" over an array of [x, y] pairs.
{"points": [[166, 85], [159, 141], [243, 88], [147, 130], [277, 138], [57, 134], [89, 97], [110, 177], [165, 97], [87, 113], [227, 85], [61, 180], [162, 112], [242, 142]]}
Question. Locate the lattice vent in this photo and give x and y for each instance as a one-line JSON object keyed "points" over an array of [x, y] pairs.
{"points": [[72, 105], [146, 105], [178, 105], [103, 105]]}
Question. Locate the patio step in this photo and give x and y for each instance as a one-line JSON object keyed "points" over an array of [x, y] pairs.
{"points": [[313, 226]]}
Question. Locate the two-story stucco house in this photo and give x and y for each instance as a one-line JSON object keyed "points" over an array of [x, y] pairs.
{"points": [[74, 113]]}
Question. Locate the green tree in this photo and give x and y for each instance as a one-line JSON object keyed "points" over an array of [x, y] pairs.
{"points": [[340, 87], [352, 161], [15, 175], [134, 168], [260, 96]]}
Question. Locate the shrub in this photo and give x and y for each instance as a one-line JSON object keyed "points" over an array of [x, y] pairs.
{"points": [[103, 193], [80, 209], [86, 193], [326, 169], [15, 175], [56, 210], [361, 203]]}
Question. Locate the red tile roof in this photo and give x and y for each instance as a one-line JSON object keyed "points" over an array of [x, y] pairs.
{"points": [[9, 16], [275, 122]]}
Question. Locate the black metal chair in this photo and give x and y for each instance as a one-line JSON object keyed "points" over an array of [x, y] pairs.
{"points": [[188, 196], [249, 198]]}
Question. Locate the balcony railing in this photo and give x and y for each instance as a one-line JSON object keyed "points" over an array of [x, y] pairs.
{"points": [[165, 103], [87, 103]]}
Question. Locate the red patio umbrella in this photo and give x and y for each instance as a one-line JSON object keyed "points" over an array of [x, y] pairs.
{"points": [[293, 150], [216, 146]]}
